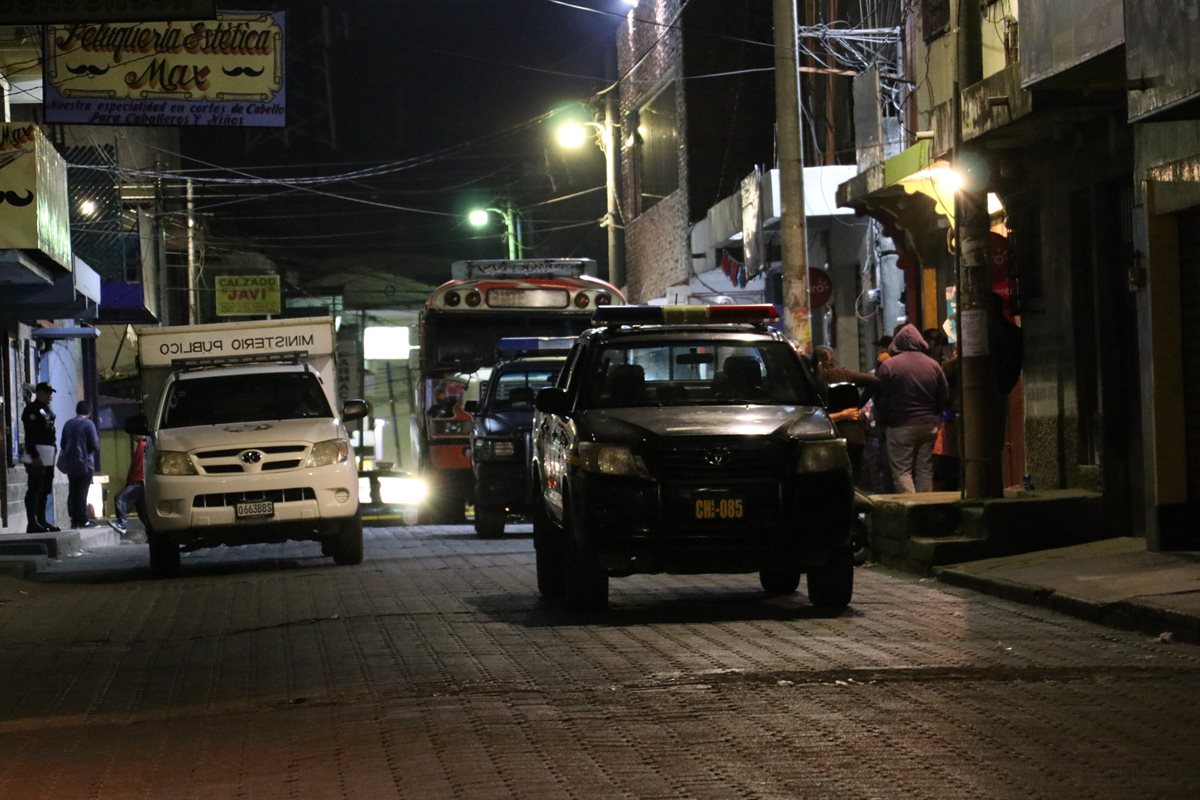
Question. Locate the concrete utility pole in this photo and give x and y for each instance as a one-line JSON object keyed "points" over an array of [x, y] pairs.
{"points": [[981, 409], [792, 238], [616, 266]]}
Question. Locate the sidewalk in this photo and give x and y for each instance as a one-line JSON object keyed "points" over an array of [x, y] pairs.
{"points": [[1114, 582], [23, 554]]}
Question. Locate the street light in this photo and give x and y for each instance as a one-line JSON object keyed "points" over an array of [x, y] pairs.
{"points": [[572, 134], [512, 226]]}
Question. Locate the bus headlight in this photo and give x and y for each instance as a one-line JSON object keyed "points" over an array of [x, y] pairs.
{"points": [[333, 451]]}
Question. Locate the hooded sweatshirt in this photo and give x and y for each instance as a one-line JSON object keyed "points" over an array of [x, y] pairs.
{"points": [[912, 387]]}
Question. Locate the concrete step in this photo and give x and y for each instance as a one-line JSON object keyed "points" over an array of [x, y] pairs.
{"points": [[917, 532]]}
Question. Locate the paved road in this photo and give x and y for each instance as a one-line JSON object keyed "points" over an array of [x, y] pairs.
{"points": [[432, 670]]}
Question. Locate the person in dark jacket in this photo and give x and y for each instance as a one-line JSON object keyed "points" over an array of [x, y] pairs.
{"points": [[908, 404], [38, 458], [80, 451]]}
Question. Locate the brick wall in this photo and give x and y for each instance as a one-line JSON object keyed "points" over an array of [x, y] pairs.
{"points": [[657, 247]]}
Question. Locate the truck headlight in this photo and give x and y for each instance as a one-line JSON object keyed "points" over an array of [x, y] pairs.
{"points": [[612, 459], [494, 449], [333, 451], [823, 456], [171, 462]]}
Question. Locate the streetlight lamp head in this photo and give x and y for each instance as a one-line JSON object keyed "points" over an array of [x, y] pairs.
{"points": [[478, 217], [571, 134]]}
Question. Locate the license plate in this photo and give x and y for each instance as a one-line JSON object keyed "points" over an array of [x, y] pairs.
{"points": [[718, 507], [258, 508]]}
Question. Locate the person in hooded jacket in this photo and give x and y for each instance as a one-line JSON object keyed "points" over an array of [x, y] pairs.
{"points": [[908, 403]]}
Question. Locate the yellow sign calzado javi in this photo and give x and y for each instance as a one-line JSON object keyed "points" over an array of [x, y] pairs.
{"points": [[227, 71], [247, 295]]}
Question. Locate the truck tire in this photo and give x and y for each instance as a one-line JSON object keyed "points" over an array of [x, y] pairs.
{"points": [[830, 587], [164, 555], [489, 521], [777, 581], [547, 546], [585, 581], [348, 546]]}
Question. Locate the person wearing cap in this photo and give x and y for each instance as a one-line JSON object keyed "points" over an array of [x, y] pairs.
{"points": [[77, 460], [38, 457]]}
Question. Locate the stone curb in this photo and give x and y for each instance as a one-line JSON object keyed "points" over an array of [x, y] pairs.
{"points": [[1123, 614]]}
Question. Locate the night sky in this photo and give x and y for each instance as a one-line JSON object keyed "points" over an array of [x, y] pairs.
{"points": [[452, 86]]}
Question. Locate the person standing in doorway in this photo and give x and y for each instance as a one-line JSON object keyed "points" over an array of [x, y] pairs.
{"points": [[912, 393], [135, 487], [80, 450], [38, 458]]}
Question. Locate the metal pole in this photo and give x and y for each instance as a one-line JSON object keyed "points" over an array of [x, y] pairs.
{"points": [[510, 229], [192, 290], [792, 237], [616, 265], [160, 248]]}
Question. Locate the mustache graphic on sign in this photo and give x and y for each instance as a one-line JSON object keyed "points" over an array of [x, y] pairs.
{"points": [[15, 199], [87, 69], [236, 72]]}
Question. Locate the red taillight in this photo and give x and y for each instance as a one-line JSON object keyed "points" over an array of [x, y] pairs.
{"points": [[474, 298], [581, 300], [452, 299], [603, 299]]}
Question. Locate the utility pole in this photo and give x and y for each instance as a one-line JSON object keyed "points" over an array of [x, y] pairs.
{"points": [[193, 315], [792, 237], [616, 265], [981, 409]]}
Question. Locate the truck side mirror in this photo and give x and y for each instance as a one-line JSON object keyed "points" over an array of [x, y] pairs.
{"points": [[552, 400], [137, 425], [471, 406], [355, 409]]}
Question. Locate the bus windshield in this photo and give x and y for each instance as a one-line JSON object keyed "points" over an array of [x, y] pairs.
{"points": [[469, 340]]}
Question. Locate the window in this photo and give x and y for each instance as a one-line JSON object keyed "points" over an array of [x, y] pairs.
{"points": [[698, 373], [657, 148], [241, 398]]}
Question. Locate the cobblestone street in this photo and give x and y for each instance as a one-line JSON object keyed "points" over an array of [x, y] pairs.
{"points": [[433, 670]]}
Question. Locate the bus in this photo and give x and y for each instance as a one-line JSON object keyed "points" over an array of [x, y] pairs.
{"points": [[459, 329]]}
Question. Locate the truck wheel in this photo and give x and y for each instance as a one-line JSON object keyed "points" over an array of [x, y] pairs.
{"points": [[164, 556], [489, 521], [547, 545], [831, 586], [348, 547], [777, 581], [585, 582]]}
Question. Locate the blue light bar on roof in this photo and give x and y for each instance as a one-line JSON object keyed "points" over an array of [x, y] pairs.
{"points": [[513, 346], [683, 315]]}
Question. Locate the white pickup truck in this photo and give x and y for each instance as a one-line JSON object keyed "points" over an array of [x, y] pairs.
{"points": [[247, 442]]}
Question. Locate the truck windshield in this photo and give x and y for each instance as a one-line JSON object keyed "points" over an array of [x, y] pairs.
{"points": [[242, 398], [690, 373]]}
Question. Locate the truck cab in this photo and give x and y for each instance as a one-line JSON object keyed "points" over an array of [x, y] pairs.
{"points": [[246, 448]]}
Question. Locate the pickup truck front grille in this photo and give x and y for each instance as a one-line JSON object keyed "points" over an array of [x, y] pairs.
{"points": [[227, 499], [231, 461]]}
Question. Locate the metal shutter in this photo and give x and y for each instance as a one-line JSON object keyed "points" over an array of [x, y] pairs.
{"points": [[1189, 267]]}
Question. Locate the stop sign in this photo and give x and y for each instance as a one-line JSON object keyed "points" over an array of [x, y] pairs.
{"points": [[820, 287]]}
